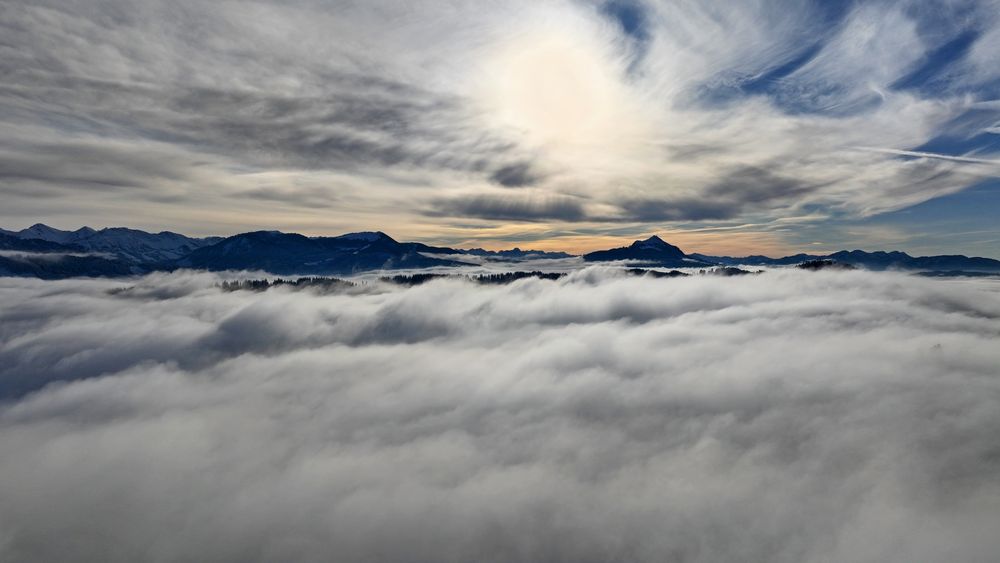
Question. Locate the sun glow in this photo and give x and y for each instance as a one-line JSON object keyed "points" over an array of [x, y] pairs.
{"points": [[565, 94], [553, 90]]}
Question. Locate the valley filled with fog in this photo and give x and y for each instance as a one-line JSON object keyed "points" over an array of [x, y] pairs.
{"points": [[789, 416]]}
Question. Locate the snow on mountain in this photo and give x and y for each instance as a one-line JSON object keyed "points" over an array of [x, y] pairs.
{"points": [[47, 233], [132, 244]]}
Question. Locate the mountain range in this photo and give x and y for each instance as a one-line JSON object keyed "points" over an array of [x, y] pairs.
{"points": [[48, 253], [290, 253], [878, 260], [128, 244]]}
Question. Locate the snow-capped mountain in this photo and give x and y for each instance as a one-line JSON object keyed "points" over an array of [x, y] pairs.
{"points": [[130, 244], [45, 259], [47, 233]]}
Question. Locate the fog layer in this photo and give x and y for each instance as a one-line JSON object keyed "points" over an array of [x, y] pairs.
{"points": [[784, 417]]}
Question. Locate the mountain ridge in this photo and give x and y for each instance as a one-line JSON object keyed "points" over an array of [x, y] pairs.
{"points": [[43, 251], [131, 244], [871, 260], [292, 253]]}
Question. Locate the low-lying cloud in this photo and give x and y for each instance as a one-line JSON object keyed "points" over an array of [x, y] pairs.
{"points": [[784, 417]]}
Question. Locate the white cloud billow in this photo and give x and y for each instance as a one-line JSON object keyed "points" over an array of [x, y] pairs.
{"points": [[784, 417]]}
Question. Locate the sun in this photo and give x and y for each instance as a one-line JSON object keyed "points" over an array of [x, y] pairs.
{"points": [[552, 89], [564, 93]]}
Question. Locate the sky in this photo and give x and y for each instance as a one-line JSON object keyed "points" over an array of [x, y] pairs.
{"points": [[749, 127]]}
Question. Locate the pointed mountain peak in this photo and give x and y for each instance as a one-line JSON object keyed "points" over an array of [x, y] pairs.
{"points": [[45, 232], [654, 243], [654, 240], [42, 228]]}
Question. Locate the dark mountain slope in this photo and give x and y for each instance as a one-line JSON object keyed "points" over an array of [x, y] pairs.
{"points": [[878, 260], [287, 253], [653, 251]]}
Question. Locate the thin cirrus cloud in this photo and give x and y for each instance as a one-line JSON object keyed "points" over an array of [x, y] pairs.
{"points": [[415, 115], [785, 417]]}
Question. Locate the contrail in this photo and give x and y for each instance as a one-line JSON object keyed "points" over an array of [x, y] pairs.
{"points": [[921, 154]]}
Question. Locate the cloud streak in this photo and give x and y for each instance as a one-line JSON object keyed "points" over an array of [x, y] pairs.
{"points": [[789, 416], [168, 107], [922, 154]]}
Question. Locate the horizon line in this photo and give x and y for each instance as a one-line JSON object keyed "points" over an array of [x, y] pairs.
{"points": [[516, 246]]}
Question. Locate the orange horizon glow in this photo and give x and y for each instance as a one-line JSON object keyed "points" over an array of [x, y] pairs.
{"points": [[499, 237], [741, 244]]}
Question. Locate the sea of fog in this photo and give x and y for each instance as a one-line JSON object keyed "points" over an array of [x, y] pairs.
{"points": [[789, 416]]}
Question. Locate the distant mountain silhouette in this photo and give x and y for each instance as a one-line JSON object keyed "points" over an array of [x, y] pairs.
{"points": [[878, 260], [289, 253], [51, 260], [12, 242], [512, 254], [128, 244], [119, 251], [44, 252], [653, 251], [757, 260]]}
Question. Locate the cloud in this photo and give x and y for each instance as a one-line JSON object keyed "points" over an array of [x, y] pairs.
{"points": [[512, 207], [98, 167], [681, 209], [515, 175], [789, 416], [738, 190], [922, 154], [617, 102]]}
